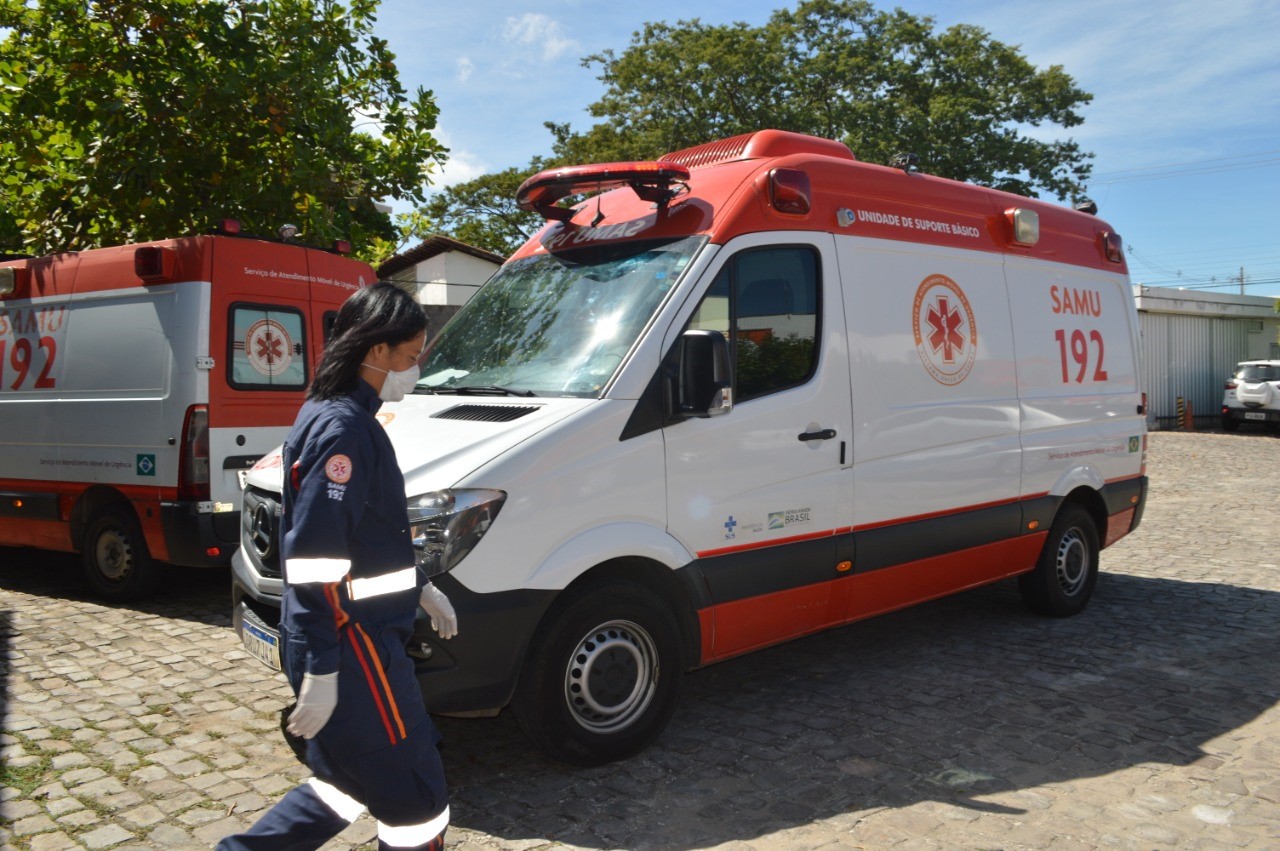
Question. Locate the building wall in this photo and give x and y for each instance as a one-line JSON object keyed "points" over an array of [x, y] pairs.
{"points": [[1191, 343], [451, 279], [443, 283]]}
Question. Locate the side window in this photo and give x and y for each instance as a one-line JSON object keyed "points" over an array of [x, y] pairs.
{"points": [[766, 302], [267, 347]]}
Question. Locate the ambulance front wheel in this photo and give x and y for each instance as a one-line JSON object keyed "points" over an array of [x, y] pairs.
{"points": [[117, 564], [1064, 576], [602, 676]]}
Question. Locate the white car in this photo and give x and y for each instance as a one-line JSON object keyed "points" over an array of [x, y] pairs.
{"points": [[1252, 394]]}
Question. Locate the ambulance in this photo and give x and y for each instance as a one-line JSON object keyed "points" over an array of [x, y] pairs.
{"points": [[750, 391], [138, 383]]}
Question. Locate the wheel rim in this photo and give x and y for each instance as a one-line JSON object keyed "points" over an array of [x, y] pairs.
{"points": [[611, 676], [1072, 565], [113, 555]]}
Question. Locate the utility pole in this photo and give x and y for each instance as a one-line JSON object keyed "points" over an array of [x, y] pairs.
{"points": [[1241, 280]]}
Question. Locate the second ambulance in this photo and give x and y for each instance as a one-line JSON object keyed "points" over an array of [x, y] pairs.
{"points": [[754, 390]]}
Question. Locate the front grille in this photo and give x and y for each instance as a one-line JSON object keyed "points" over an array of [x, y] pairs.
{"points": [[260, 530], [486, 413]]}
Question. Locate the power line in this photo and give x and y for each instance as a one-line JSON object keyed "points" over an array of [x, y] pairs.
{"points": [[1190, 167]]}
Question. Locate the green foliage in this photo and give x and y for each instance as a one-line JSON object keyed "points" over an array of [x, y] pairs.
{"points": [[141, 119], [483, 212], [772, 362], [881, 82]]}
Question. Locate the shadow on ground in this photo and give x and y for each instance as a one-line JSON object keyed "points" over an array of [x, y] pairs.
{"points": [[951, 701], [202, 595]]}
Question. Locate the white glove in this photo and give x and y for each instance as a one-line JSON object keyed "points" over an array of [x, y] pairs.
{"points": [[437, 605], [316, 701]]}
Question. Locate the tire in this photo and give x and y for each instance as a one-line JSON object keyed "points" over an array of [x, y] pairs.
{"points": [[602, 675], [117, 564], [1230, 423], [1067, 570]]}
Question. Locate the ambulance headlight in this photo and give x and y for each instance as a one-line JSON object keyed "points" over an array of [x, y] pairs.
{"points": [[447, 524]]}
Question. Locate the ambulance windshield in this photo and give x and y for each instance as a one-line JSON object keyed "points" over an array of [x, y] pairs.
{"points": [[556, 324]]}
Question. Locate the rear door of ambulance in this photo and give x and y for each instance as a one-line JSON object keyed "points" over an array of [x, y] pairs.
{"points": [[273, 306], [262, 346]]}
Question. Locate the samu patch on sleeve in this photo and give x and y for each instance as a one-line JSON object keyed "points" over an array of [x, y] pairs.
{"points": [[338, 469]]}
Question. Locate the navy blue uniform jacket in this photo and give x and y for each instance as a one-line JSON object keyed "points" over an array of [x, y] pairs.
{"points": [[344, 519]]}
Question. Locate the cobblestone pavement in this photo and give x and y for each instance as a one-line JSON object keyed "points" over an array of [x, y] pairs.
{"points": [[1149, 721]]}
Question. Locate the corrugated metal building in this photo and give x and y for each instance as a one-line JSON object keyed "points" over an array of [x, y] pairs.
{"points": [[1191, 342]]}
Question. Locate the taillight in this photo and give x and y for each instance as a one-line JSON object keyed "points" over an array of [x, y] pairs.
{"points": [[193, 462], [1230, 385]]}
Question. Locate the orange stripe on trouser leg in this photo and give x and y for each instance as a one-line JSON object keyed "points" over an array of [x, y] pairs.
{"points": [[340, 617], [373, 687], [386, 686]]}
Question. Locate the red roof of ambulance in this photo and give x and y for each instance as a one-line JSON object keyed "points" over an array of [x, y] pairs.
{"points": [[728, 196]]}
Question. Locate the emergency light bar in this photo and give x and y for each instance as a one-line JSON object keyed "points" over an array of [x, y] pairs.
{"points": [[652, 181]]}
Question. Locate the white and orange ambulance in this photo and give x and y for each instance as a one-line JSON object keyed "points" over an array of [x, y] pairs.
{"points": [[754, 390], [139, 382]]}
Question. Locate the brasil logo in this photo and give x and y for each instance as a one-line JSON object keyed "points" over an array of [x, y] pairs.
{"points": [[145, 465]]}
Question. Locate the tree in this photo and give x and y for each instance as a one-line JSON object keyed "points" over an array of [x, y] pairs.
{"points": [[881, 82], [483, 211], [141, 119]]}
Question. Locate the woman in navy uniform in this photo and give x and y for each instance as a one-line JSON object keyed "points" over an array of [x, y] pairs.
{"points": [[351, 595]]}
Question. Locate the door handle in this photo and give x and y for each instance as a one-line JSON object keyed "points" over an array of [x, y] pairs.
{"points": [[825, 434]]}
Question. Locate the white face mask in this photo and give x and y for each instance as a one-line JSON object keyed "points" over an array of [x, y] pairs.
{"points": [[397, 384]]}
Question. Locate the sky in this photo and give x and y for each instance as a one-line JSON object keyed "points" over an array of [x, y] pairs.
{"points": [[1184, 123]]}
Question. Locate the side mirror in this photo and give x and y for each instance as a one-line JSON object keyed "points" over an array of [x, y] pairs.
{"points": [[703, 384]]}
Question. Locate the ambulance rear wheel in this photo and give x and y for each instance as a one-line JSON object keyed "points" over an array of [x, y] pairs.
{"points": [[114, 554], [602, 676], [1064, 576]]}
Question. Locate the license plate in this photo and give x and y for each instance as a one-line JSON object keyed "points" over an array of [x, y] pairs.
{"points": [[1254, 415], [261, 645]]}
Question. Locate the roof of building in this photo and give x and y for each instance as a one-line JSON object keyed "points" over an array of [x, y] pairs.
{"points": [[1199, 302], [428, 248]]}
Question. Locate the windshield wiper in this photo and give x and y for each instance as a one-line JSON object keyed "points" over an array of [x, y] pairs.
{"points": [[486, 390]]}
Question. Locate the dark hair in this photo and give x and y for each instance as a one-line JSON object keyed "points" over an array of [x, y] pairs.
{"points": [[382, 313]]}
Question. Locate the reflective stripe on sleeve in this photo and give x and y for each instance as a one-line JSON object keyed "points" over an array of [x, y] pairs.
{"points": [[347, 807], [413, 835], [387, 583], [299, 571]]}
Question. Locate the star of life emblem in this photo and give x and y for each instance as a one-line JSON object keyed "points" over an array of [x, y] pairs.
{"points": [[268, 347], [946, 334]]}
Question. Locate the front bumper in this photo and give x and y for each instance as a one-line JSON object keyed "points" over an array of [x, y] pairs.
{"points": [[473, 673]]}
